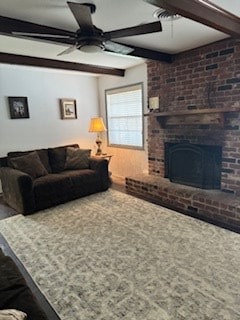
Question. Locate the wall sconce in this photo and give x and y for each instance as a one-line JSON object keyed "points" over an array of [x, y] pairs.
{"points": [[97, 125]]}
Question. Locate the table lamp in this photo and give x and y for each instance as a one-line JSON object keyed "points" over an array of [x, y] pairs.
{"points": [[97, 125]]}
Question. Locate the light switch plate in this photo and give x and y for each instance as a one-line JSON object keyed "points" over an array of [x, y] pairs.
{"points": [[153, 103]]}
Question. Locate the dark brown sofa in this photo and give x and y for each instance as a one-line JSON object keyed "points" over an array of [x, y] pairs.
{"points": [[50, 177]]}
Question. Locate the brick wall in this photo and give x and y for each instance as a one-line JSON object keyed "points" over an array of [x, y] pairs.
{"points": [[207, 77]]}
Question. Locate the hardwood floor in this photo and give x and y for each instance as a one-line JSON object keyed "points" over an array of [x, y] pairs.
{"points": [[118, 184], [5, 211]]}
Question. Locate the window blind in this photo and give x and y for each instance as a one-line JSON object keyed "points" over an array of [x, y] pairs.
{"points": [[125, 116]]}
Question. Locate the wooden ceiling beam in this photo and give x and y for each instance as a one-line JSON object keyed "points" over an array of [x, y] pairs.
{"points": [[203, 11], [56, 64], [149, 54]]}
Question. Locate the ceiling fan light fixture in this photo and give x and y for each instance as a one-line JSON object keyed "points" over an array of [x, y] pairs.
{"points": [[91, 47]]}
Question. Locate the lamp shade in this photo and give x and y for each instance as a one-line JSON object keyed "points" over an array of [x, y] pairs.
{"points": [[97, 125]]}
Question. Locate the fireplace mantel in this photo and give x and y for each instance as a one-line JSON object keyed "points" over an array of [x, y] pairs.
{"points": [[190, 117]]}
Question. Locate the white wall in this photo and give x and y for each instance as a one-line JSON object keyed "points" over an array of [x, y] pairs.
{"points": [[44, 88], [125, 162], [44, 128]]}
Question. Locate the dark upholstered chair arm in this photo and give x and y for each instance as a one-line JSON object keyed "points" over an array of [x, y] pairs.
{"points": [[98, 164], [101, 167], [17, 189]]}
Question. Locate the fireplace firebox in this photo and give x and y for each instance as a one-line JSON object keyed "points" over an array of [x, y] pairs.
{"points": [[194, 165]]}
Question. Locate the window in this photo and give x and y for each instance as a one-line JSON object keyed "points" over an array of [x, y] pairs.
{"points": [[125, 116]]}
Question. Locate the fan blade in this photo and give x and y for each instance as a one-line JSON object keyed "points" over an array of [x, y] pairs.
{"points": [[10, 25], [117, 48], [40, 35], [133, 31], [82, 14], [68, 50]]}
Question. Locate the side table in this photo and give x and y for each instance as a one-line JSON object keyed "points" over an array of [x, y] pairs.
{"points": [[106, 156]]}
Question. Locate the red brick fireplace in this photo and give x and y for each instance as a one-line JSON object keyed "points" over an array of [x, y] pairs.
{"points": [[199, 104]]}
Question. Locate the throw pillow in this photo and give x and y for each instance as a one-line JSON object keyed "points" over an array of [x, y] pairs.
{"points": [[57, 157], [30, 164], [43, 155], [77, 158], [12, 314]]}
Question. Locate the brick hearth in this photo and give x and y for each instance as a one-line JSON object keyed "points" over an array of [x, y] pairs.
{"points": [[209, 205], [205, 79]]}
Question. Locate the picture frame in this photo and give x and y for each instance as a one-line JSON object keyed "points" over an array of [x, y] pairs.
{"points": [[18, 107], [68, 109]]}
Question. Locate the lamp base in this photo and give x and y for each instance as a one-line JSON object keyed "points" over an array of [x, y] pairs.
{"points": [[99, 150]]}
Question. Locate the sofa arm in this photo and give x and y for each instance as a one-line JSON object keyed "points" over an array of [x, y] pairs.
{"points": [[17, 189], [15, 288], [100, 165]]}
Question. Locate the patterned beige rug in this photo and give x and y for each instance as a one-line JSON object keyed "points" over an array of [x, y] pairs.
{"points": [[111, 256]]}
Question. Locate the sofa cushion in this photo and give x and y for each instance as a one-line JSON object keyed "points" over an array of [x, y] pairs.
{"points": [[30, 164], [77, 158], [84, 181], [43, 155], [80, 177], [57, 157], [52, 189]]}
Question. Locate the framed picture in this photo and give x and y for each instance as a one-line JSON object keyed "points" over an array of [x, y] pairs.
{"points": [[68, 109], [18, 107]]}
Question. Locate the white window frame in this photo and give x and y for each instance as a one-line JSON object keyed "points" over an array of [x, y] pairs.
{"points": [[119, 90]]}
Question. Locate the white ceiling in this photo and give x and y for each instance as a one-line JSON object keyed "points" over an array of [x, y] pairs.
{"points": [[177, 36]]}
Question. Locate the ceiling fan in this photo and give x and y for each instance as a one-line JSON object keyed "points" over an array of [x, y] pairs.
{"points": [[87, 38]]}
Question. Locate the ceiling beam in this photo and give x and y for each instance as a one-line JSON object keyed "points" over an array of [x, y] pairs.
{"points": [[56, 64], [147, 53], [203, 11], [151, 54]]}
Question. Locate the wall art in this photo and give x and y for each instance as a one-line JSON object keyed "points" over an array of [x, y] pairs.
{"points": [[68, 109], [18, 107]]}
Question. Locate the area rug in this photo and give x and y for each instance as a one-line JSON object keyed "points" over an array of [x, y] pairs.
{"points": [[111, 256]]}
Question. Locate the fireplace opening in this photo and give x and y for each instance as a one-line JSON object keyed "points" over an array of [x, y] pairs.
{"points": [[194, 165]]}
